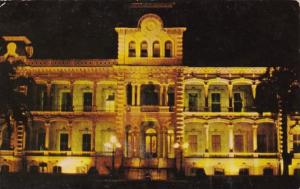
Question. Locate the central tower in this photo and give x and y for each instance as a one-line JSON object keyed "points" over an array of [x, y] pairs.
{"points": [[150, 43]]}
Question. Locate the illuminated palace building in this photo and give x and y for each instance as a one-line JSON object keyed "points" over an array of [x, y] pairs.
{"points": [[144, 113]]}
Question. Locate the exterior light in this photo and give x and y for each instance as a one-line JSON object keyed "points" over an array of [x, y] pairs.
{"points": [[185, 145]]}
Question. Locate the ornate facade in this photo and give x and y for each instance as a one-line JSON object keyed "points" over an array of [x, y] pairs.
{"points": [[144, 113]]}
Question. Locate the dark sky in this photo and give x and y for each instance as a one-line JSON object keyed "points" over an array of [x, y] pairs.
{"points": [[218, 33]]}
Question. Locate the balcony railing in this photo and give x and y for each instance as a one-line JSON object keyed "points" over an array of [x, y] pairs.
{"points": [[150, 108], [76, 109], [233, 155], [65, 153], [221, 109]]}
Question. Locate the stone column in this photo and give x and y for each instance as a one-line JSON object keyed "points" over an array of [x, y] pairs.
{"points": [[72, 95], [133, 95], [94, 96], [230, 91], [48, 88], [206, 126], [94, 136], [230, 127], [206, 108], [47, 135], [161, 93], [70, 134], [166, 95], [253, 87], [254, 129]]}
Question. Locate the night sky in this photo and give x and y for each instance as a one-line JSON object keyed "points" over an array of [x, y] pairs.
{"points": [[218, 33]]}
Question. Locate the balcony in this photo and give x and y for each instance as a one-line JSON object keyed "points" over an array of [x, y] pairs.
{"points": [[219, 109], [150, 108], [233, 155]]}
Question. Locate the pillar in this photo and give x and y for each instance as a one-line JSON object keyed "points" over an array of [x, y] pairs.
{"points": [[254, 128], [47, 136], [161, 93], [94, 136], [230, 127], [71, 93], [48, 91], [94, 96], [206, 126], [230, 91], [70, 135], [206, 106], [253, 87], [166, 95]]}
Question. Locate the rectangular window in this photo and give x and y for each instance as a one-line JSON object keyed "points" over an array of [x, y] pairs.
{"points": [[41, 141], [171, 98], [64, 141], [66, 101], [215, 102], [238, 102], [192, 143], [238, 143], [193, 102], [87, 101], [86, 142], [216, 143], [261, 143]]}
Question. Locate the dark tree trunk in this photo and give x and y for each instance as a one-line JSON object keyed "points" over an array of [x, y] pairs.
{"points": [[285, 154]]}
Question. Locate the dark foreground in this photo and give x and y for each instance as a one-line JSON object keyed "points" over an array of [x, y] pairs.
{"points": [[85, 182]]}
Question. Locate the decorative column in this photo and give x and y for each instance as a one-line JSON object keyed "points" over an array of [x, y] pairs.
{"points": [[179, 105], [94, 96], [138, 97], [206, 126], [253, 87], [133, 95], [70, 133], [254, 129], [47, 136], [120, 105], [166, 95], [94, 135], [161, 93], [230, 127], [230, 91], [71, 94], [48, 91], [206, 108]]}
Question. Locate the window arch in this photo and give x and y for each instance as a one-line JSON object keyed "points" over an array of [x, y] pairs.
{"points": [[131, 49], [168, 49], [156, 49], [151, 142], [144, 49]]}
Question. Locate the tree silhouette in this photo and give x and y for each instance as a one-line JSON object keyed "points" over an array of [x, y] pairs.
{"points": [[279, 93], [13, 102]]}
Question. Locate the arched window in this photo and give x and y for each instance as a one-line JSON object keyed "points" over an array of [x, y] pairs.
{"points": [[131, 49], [151, 143], [168, 49], [144, 49], [156, 49]]}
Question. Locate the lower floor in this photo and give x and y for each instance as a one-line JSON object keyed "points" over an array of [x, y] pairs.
{"points": [[139, 168]]}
